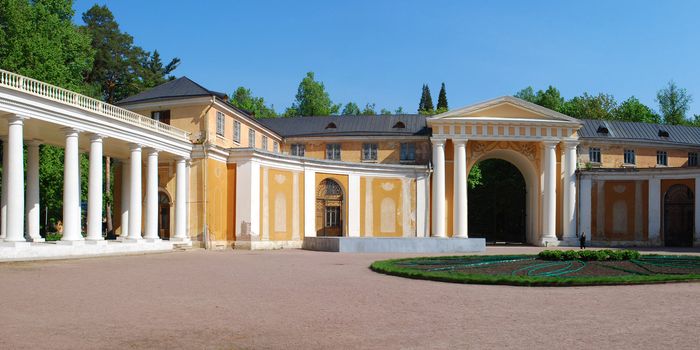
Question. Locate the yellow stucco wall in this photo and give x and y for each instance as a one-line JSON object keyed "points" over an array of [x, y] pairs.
{"points": [[612, 155], [279, 220], [388, 152], [621, 214], [386, 196]]}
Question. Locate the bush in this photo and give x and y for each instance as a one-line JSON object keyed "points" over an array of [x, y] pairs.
{"points": [[589, 255], [53, 236]]}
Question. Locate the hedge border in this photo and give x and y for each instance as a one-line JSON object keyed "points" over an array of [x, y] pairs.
{"points": [[388, 267]]}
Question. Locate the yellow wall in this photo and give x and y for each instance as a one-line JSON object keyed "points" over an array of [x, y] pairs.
{"points": [[385, 193], [622, 213], [612, 155], [388, 152], [279, 218]]}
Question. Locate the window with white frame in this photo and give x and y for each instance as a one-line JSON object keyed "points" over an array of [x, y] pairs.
{"points": [[263, 140], [298, 149], [275, 147], [629, 157], [661, 158], [251, 138], [594, 155], [237, 131], [692, 159], [220, 123], [408, 152], [369, 151], [333, 151]]}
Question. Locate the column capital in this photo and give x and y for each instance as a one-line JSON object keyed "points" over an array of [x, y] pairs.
{"points": [[550, 143], [460, 141], [152, 151], [438, 141], [69, 131], [95, 137], [570, 143], [34, 142], [135, 146], [16, 119]]}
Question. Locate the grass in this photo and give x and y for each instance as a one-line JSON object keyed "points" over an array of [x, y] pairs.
{"points": [[389, 267]]}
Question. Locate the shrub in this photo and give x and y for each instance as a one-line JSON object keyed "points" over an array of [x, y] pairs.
{"points": [[53, 236], [589, 255]]}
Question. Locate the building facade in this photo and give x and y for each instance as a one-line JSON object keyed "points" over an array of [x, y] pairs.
{"points": [[191, 166]]}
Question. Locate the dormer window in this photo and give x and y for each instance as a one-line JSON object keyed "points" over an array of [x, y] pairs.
{"points": [[663, 133], [399, 125], [331, 125], [602, 130]]}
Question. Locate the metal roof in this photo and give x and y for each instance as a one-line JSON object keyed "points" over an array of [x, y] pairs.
{"points": [[178, 88], [639, 132], [349, 125]]}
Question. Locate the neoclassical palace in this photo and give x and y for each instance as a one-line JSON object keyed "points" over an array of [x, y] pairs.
{"points": [[191, 167]]}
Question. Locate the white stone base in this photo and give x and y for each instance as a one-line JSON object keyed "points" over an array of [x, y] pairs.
{"points": [[20, 251], [96, 242], [267, 245], [549, 242], [36, 240], [71, 243]]}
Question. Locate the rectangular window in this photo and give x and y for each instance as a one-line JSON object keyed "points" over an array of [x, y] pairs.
{"points": [[369, 151], [692, 159], [594, 155], [263, 140], [237, 131], [408, 152], [275, 147], [333, 151], [332, 217], [298, 150], [220, 123], [629, 156], [251, 138], [661, 158], [161, 116]]}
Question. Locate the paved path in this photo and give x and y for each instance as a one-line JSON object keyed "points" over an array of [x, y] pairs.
{"points": [[311, 300]]}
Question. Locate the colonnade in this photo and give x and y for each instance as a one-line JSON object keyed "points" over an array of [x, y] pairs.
{"points": [[20, 218], [549, 198]]}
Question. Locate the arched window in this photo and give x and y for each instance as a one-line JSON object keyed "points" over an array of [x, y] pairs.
{"points": [[399, 125], [331, 125]]}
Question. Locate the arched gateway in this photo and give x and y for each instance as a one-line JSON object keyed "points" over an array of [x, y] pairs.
{"points": [[540, 142]]}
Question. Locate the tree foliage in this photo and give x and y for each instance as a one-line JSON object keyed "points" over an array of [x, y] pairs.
{"points": [[369, 109], [631, 110], [442, 99], [425, 106], [674, 103], [243, 98], [601, 106], [312, 99], [351, 108]]}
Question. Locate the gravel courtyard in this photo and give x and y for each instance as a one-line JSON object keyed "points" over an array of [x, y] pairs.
{"points": [[296, 299]]}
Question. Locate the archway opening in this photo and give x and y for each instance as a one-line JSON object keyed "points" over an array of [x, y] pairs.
{"points": [[329, 209], [497, 203], [679, 216], [164, 205]]}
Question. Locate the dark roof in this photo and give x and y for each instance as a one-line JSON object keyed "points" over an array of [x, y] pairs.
{"points": [[178, 88], [350, 125], [639, 132]]}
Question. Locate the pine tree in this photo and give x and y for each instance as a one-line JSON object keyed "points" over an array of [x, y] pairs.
{"points": [[442, 99], [426, 101]]}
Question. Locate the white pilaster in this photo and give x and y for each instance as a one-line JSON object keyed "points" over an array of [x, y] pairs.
{"points": [[151, 233], [569, 207], [354, 205], [32, 205], [94, 214], [585, 215], [126, 200], [460, 189], [181, 234], [3, 204], [549, 212], [135, 206], [71, 189], [696, 236], [309, 203], [422, 206], [438, 188], [654, 211], [15, 180]]}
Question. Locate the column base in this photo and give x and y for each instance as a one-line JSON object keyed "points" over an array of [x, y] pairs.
{"points": [[14, 244], [152, 240], [73, 243], [36, 240], [132, 240], [462, 237], [180, 239], [549, 242], [570, 242], [95, 242], [121, 238]]}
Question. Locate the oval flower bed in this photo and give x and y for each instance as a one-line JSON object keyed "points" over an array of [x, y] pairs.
{"points": [[549, 268]]}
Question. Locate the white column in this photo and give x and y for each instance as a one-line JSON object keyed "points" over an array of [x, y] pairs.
{"points": [[354, 205], [549, 212], [696, 236], [181, 201], [460, 189], [654, 211], [569, 207], [438, 200], [135, 196], [94, 214], [585, 214], [422, 206], [15, 180], [152, 196], [125, 194], [32, 205], [3, 215], [71, 189], [309, 203]]}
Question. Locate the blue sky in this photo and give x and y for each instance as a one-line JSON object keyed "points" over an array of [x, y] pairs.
{"points": [[383, 51]]}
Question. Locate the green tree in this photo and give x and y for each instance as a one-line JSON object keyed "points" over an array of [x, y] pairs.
{"points": [[550, 98], [399, 110], [243, 98], [601, 106], [351, 108], [527, 94], [385, 111], [632, 110], [153, 72], [369, 109], [442, 100], [39, 40], [426, 101], [312, 99], [674, 103]]}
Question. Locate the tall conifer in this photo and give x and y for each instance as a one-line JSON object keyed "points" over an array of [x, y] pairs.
{"points": [[442, 99]]}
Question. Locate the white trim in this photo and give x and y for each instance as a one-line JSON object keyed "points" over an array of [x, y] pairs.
{"points": [[309, 203], [353, 205]]}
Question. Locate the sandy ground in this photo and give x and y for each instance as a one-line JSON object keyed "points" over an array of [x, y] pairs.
{"points": [[310, 300]]}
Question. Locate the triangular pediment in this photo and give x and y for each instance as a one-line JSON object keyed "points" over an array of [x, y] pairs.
{"points": [[505, 107]]}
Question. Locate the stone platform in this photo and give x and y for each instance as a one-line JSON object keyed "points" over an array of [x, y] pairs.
{"points": [[394, 245], [24, 251]]}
